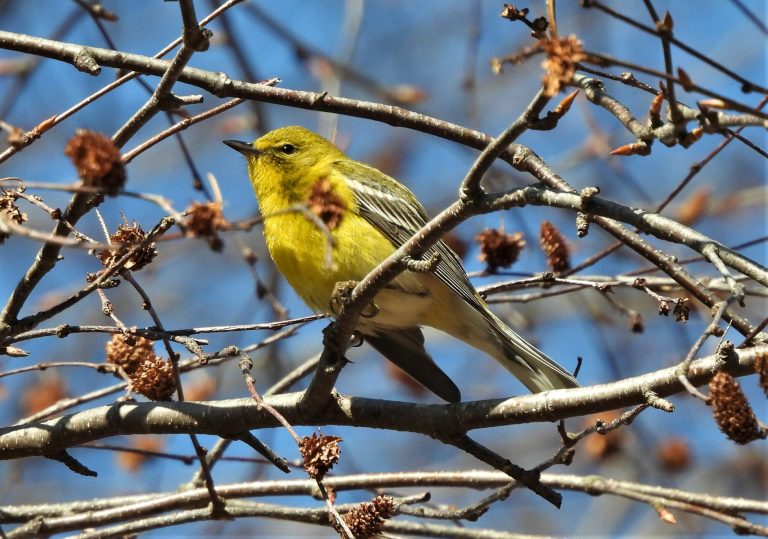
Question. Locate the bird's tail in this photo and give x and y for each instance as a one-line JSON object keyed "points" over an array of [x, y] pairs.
{"points": [[529, 365]]}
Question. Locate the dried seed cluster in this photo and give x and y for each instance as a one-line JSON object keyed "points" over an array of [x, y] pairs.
{"points": [[129, 236], [205, 220], [150, 375], [320, 454], [560, 65], [761, 367], [128, 351], [10, 211], [554, 245], [681, 310], [499, 249], [367, 519], [538, 26], [154, 379], [731, 409], [97, 160], [326, 204]]}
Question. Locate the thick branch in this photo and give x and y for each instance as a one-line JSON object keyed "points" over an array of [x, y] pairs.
{"points": [[230, 417]]}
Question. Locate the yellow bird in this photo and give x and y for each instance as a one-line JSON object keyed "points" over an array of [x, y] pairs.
{"points": [[309, 192]]}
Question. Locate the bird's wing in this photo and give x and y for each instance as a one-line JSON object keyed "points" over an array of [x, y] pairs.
{"points": [[405, 348], [395, 212]]}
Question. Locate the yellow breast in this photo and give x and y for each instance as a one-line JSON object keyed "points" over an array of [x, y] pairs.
{"points": [[322, 240], [313, 263]]}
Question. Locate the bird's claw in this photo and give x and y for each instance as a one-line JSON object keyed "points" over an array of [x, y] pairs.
{"points": [[342, 293], [341, 296]]}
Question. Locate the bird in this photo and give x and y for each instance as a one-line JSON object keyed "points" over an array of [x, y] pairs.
{"points": [[328, 219]]}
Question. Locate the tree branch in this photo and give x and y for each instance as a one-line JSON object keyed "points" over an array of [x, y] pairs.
{"points": [[231, 417]]}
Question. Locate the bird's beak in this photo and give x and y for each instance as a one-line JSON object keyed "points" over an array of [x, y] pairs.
{"points": [[243, 147]]}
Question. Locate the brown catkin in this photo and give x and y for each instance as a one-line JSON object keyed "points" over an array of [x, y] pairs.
{"points": [[554, 245], [731, 409]]}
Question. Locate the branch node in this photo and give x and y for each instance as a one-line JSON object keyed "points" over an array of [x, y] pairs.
{"points": [[582, 224], [197, 38], [72, 463], [587, 194], [726, 354], [62, 330], [519, 156], [423, 265], [318, 98], [653, 399], [221, 85], [85, 61]]}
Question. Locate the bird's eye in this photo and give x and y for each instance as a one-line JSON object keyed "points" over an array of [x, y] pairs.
{"points": [[288, 149]]}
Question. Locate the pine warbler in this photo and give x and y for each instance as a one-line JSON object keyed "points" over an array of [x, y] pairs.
{"points": [[309, 192]]}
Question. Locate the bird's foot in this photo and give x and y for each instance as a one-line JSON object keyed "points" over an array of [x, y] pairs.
{"points": [[342, 295]]}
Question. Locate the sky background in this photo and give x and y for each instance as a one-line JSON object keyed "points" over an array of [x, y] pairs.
{"points": [[433, 48]]}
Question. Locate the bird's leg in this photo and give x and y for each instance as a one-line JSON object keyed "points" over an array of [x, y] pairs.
{"points": [[342, 294]]}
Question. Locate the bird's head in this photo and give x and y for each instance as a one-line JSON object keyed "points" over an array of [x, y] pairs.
{"points": [[283, 158]]}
